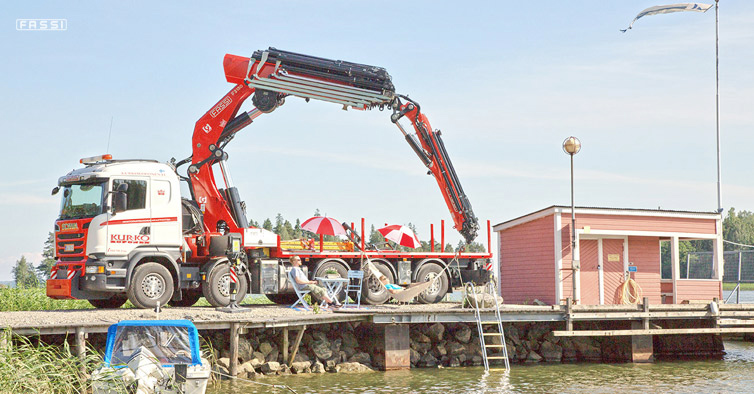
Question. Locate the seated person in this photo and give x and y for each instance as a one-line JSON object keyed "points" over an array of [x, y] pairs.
{"points": [[302, 283], [392, 288]]}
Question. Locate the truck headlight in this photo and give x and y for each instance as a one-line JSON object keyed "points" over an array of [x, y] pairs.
{"points": [[94, 269]]}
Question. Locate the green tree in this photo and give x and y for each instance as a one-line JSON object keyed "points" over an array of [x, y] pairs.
{"points": [[267, 225], [278, 224], [297, 232], [739, 228], [48, 258], [24, 275], [287, 230]]}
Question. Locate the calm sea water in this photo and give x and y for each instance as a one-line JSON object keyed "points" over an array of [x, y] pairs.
{"points": [[733, 374]]}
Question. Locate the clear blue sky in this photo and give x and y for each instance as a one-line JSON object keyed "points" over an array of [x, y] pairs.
{"points": [[506, 81]]}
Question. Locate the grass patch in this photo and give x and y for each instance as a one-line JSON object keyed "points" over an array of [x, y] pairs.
{"points": [[744, 286], [35, 299], [29, 368]]}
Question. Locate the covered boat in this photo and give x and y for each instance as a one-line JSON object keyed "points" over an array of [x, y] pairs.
{"points": [[150, 356]]}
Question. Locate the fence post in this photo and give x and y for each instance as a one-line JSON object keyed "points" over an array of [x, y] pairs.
{"points": [[738, 288]]}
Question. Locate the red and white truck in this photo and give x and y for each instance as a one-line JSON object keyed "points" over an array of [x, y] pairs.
{"points": [[125, 232]]}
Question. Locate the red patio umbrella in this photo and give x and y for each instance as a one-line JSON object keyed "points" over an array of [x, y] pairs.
{"points": [[401, 235], [323, 225]]}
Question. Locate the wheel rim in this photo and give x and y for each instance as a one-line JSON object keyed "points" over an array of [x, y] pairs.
{"points": [[375, 287], [434, 288], [223, 285], [153, 286]]}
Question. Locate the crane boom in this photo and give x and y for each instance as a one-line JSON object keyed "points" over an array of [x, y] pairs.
{"points": [[270, 76]]}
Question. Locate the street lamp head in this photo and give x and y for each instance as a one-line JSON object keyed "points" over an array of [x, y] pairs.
{"points": [[571, 145]]}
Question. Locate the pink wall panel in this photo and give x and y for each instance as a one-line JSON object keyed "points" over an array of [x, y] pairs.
{"points": [[644, 253], [527, 268], [642, 223], [566, 277], [695, 289]]}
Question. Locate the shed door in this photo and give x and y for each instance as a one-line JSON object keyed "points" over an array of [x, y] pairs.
{"points": [[588, 254], [612, 265]]}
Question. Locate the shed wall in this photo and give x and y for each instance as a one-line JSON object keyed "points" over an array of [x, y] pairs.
{"points": [[697, 289], [527, 269], [643, 223]]}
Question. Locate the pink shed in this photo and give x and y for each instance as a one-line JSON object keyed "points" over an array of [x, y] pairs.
{"points": [[536, 258]]}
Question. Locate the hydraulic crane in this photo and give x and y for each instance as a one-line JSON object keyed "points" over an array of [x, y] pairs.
{"points": [[272, 75]]}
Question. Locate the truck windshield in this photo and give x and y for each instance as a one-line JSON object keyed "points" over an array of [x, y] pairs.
{"points": [[80, 201]]}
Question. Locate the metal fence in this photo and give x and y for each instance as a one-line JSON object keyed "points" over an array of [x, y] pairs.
{"points": [[738, 268]]}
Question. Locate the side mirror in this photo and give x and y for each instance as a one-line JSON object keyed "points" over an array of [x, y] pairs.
{"points": [[120, 198], [55, 190]]}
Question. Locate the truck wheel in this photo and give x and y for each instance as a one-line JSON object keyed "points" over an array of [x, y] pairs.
{"points": [[216, 288], [372, 291], [282, 299], [437, 290], [113, 302], [190, 297], [151, 283]]}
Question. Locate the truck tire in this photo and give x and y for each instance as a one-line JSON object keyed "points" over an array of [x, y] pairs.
{"points": [[437, 291], [282, 299], [372, 291], [190, 297], [151, 283], [216, 288], [113, 302]]}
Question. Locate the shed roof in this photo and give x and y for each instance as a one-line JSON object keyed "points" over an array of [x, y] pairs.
{"points": [[712, 215]]}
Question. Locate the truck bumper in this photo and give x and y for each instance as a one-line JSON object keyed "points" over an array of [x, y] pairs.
{"points": [[59, 289]]}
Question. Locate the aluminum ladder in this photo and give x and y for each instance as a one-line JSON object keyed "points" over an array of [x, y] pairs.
{"points": [[487, 353]]}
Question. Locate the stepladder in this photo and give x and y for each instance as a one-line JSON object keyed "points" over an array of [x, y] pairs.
{"points": [[489, 324]]}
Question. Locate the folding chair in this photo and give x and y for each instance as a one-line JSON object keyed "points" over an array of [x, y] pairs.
{"points": [[355, 279], [299, 293]]}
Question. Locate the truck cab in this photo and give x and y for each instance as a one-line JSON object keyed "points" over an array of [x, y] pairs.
{"points": [[112, 213]]}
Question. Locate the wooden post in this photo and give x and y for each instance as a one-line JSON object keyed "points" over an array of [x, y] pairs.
{"points": [[81, 349], [296, 343], [285, 342], [645, 320], [569, 310], [233, 363]]}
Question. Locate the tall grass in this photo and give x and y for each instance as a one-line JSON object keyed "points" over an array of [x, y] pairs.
{"points": [[35, 299], [29, 368]]}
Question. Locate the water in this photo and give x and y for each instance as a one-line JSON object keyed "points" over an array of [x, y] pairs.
{"points": [[746, 297], [733, 374]]}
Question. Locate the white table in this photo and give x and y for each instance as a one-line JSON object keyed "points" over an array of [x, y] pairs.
{"points": [[333, 285]]}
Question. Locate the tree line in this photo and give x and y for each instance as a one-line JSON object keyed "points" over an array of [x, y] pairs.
{"points": [[26, 274]]}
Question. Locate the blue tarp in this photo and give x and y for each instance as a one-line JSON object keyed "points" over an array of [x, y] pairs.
{"points": [[183, 327]]}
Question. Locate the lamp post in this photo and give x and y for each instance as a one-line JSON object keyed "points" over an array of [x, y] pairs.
{"points": [[572, 146]]}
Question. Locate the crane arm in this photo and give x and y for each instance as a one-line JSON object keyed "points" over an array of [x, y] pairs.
{"points": [[270, 76]]}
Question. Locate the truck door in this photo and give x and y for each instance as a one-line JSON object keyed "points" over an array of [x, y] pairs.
{"points": [[132, 227], [166, 213]]}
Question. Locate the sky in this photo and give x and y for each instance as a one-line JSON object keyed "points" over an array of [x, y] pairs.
{"points": [[505, 81]]}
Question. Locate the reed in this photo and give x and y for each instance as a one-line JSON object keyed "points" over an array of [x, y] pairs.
{"points": [[26, 367]]}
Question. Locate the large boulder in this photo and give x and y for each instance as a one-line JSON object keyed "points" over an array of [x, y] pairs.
{"points": [[551, 352], [224, 362], [420, 337], [537, 331], [245, 349], [587, 349], [462, 333], [349, 340], [455, 349], [257, 359], [435, 332], [427, 360], [361, 357], [415, 356], [318, 367], [352, 367], [270, 367], [273, 356], [246, 370], [533, 357], [265, 348], [484, 300], [440, 351], [321, 350], [301, 367]]}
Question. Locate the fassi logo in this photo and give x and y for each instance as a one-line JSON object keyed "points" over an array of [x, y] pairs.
{"points": [[129, 239]]}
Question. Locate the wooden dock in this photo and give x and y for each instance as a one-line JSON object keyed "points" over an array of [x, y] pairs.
{"points": [[638, 322]]}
